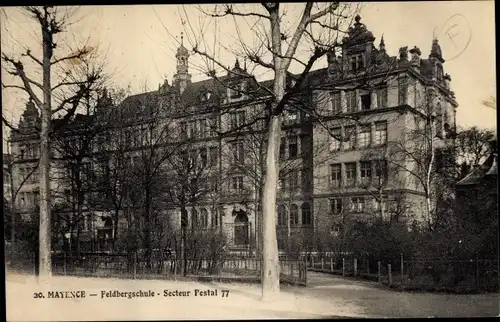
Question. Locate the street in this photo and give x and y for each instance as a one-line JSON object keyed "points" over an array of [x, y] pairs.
{"points": [[326, 296]]}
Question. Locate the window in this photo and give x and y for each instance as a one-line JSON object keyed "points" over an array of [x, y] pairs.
{"points": [[350, 174], [237, 184], [352, 102], [350, 137], [194, 218], [292, 147], [237, 119], [215, 219], [294, 215], [381, 204], [336, 135], [357, 62], [304, 176], [86, 171], [212, 125], [193, 131], [282, 182], [203, 156], [439, 72], [358, 204], [193, 155], [204, 218], [214, 155], [183, 125], [282, 148], [336, 171], [336, 206], [336, 103], [382, 97], [306, 214], [203, 128], [234, 91], [293, 180], [364, 136], [22, 152], [282, 216], [366, 101], [380, 133], [403, 91], [145, 137], [184, 156], [380, 174], [291, 117], [366, 172], [36, 197], [237, 152]]}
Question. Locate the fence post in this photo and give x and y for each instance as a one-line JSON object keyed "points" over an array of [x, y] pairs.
{"points": [[379, 276], [322, 263], [477, 271], [64, 264], [135, 264], [343, 266], [312, 262], [305, 273], [331, 264], [389, 268], [355, 267], [402, 270]]}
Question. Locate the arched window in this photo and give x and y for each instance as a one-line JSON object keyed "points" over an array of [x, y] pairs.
{"points": [[282, 215], [215, 218], [294, 215], [204, 218], [194, 218], [306, 214]]}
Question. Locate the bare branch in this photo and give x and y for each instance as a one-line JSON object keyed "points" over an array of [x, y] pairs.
{"points": [[28, 53], [9, 125], [19, 71], [229, 11], [330, 9]]}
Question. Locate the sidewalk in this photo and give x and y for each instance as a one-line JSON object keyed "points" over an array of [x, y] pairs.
{"points": [[243, 301]]}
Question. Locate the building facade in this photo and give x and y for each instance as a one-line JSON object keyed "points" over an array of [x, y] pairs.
{"points": [[350, 150]]}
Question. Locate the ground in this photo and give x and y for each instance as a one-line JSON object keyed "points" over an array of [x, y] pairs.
{"points": [[326, 296]]}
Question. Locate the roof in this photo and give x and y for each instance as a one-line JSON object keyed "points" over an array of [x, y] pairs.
{"points": [[477, 175]]}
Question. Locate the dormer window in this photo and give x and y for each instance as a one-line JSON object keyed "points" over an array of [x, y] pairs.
{"points": [[439, 72], [357, 62], [235, 91], [206, 96]]}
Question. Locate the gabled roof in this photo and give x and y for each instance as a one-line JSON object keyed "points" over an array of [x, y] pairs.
{"points": [[477, 175]]}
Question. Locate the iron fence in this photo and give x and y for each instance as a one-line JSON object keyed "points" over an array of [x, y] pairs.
{"points": [[473, 275], [292, 271]]}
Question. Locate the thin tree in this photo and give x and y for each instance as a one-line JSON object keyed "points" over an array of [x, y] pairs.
{"points": [[67, 94]]}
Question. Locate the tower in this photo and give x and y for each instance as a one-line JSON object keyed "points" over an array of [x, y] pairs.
{"points": [[182, 78]]}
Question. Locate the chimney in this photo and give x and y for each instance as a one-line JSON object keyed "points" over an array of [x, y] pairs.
{"points": [[447, 81], [415, 57]]}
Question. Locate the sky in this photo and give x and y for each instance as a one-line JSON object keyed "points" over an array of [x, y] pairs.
{"points": [[139, 44]]}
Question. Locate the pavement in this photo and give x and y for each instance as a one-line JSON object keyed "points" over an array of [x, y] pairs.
{"points": [[326, 296]]}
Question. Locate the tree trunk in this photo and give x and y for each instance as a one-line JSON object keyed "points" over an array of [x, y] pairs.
{"points": [[183, 239], [13, 206], [147, 239], [115, 230], [45, 270], [270, 278]]}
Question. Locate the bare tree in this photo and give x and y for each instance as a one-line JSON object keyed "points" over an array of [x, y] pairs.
{"points": [[317, 31], [75, 75], [192, 177], [271, 41], [473, 145]]}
